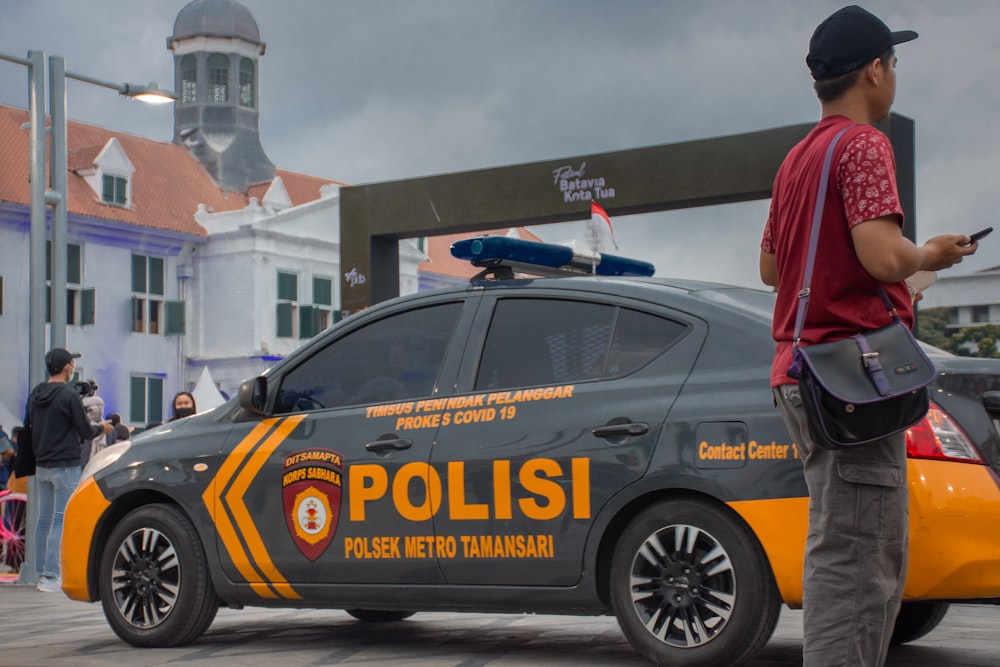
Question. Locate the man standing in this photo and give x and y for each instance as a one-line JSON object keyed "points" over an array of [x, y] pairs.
{"points": [[856, 549], [58, 426]]}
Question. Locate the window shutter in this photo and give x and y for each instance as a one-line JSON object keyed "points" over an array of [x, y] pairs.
{"points": [[288, 286], [155, 402], [137, 400], [285, 320], [121, 185], [74, 264], [156, 275], [323, 291], [108, 189], [175, 319], [308, 322], [138, 273], [88, 306]]}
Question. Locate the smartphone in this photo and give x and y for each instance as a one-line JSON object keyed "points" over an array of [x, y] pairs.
{"points": [[980, 234]]}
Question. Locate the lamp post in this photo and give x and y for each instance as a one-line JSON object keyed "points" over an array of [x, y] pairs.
{"points": [[56, 197]]}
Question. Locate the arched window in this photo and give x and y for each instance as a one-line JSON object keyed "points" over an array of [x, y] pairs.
{"points": [[246, 83], [189, 79], [218, 78]]}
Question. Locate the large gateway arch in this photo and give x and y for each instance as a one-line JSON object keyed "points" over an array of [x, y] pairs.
{"points": [[719, 170]]}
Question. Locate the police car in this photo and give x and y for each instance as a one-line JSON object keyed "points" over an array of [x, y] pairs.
{"points": [[592, 445]]}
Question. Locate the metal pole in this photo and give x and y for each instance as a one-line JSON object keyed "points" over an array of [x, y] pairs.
{"points": [[36, 276], [36, 176], [57, 197]]}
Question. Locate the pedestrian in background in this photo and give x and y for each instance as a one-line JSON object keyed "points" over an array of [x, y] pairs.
{"points": [[183, 405], [6, 458], [856, 548], [58, 426], [16, 483], [93, 405]]}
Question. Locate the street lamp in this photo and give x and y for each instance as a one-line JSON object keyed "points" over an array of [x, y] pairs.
{"points": [[56, 197]]}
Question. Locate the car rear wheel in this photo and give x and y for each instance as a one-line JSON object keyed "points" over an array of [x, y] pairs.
{"points": [[154, 581], [379, 615], [916, 619], [690, 586]]}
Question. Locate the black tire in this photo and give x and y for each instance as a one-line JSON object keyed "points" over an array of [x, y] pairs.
{"points": [[691, 586], [154, 582], [916, 619], [379, 615]]}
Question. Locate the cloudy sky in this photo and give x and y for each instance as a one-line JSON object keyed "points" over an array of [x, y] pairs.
{"points": [[387, 89]]}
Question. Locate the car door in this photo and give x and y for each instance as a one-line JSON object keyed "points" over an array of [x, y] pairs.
{"points": [[310, 494], [566, 399]]}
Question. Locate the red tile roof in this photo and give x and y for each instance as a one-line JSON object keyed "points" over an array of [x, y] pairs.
{"points": [[167, 186]]}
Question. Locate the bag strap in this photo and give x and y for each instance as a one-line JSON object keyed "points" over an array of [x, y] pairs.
{"points": [[817, 221]]}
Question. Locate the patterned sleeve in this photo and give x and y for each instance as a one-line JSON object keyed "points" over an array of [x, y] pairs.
{"points": [[868, 179], [767, 242]]}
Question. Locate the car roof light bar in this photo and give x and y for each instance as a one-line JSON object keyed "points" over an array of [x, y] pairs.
{"points": [[545, 259]]}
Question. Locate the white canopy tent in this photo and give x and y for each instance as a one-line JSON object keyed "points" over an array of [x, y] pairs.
{"points": [[206, 394], [9, 419]]}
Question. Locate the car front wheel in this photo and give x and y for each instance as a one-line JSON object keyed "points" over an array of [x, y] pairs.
{"points": [[154, 581], [690, 586]]}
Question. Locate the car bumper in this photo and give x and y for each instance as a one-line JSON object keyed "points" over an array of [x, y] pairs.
{"points": [[954, 542], [85, 508]]}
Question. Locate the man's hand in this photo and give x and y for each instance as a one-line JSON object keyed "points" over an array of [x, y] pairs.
{"points": [[946, 250], [890, 257], [107, 427]]}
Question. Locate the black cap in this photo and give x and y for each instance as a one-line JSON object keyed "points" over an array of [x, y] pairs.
{"points": [[57, 358], [849, 39]]}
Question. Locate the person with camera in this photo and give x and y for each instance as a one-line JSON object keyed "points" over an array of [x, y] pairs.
{"points": [[93, 405], [58, 426]]}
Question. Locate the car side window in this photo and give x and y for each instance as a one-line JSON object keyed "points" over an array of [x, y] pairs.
{"points": [[534, 342], [392, 359], [639, 338]]}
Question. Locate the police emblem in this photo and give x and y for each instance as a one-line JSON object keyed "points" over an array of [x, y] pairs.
{"points": [[310, 489]]}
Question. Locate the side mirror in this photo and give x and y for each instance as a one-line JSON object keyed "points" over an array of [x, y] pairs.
{"points": [[253, 394]]}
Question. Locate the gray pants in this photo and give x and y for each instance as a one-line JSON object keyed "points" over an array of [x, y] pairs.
{"points": [[855, 562]]}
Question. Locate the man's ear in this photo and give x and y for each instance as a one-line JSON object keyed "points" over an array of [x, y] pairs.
{"points": [[874, 72]]}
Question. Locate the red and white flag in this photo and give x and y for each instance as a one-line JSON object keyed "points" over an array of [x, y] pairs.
{"points": [[599, 218]]}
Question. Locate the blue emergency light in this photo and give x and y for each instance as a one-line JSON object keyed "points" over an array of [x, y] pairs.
{"points": [[545, 258]]}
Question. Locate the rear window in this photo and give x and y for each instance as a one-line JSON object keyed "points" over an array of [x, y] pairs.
{"points": [[535, 342]]}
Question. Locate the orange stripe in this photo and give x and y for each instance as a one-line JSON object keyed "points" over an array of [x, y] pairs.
{"points": [[234, 500], [227, 532], [85, 508]]}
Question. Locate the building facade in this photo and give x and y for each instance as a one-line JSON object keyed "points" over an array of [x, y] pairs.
{"points": [[184, 255], [973, 299]]}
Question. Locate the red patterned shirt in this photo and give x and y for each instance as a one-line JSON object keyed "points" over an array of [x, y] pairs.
{"points": [[844, 297]]}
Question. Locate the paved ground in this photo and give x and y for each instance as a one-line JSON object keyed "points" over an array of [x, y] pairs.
{"points": [[49, 630]]}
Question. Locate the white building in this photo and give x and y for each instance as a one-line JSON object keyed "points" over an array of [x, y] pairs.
{"points": [[973, 298], [182, 256]]}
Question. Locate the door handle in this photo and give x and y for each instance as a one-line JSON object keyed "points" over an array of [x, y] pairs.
{"points": [[394, 443], [620, 430]]}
